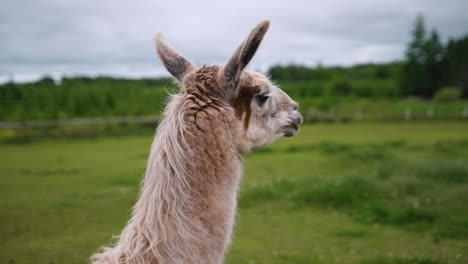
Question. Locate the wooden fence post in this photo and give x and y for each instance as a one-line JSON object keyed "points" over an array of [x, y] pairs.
{"points": [[408, 114], [358, 115], [430, 112]]}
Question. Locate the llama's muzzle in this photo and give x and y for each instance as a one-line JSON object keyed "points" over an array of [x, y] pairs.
{"points": [[293, 127]]}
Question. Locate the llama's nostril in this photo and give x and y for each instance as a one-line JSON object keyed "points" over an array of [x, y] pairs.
{"points": [[297, 118]]}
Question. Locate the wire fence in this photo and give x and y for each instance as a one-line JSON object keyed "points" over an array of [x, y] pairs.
{"points": [[359, 115]]}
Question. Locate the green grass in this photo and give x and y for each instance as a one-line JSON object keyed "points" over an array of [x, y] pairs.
{"points": [[366, 193], [407, 260]]}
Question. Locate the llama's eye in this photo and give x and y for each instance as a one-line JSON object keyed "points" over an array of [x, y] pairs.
{"points": [[261, 99]]}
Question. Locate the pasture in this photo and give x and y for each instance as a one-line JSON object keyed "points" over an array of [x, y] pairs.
{"points": [[336, 193]]}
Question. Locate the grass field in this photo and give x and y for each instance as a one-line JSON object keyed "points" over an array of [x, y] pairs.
{"points": [[336, 193]]}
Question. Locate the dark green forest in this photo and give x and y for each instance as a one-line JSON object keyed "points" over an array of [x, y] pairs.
{"points": [[432, 74]]}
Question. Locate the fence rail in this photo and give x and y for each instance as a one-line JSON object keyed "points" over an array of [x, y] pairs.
{"points": [[80, 121], [309, 116]]}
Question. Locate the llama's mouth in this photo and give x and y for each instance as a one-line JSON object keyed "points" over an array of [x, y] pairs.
{"points": [[291, 130], [295, 120]]}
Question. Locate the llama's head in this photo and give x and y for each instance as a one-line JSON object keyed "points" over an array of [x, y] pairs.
{"points": [[263, 110]]}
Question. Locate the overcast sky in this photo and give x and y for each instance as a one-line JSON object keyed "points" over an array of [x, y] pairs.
{"points": [[115, 37]]}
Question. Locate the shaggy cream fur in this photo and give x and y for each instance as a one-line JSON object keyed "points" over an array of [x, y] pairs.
{"points": [[187, 202]]}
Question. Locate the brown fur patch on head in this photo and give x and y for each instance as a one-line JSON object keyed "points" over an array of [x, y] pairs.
{"points": [[202, 87], [204, 82], [202, 95], [242, 102]]}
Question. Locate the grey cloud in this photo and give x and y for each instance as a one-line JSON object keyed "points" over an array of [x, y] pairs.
{"points": [[106, 33]]}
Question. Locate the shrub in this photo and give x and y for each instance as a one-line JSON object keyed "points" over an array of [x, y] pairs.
{"points": [[453, 229], [264, 192], [340, 86], [445, 171], [349, 193], [448, 94]]}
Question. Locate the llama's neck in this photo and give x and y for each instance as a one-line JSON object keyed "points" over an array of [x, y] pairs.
{"points": [[187, 202]]}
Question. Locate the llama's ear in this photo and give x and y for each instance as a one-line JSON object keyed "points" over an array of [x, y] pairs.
{"points": [[177, 65], [243, 55]]}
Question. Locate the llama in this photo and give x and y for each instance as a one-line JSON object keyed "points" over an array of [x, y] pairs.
{"points": [[187, 202]]}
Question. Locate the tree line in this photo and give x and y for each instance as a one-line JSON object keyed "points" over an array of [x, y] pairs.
{"points": [[83, 97], [431, 69]]}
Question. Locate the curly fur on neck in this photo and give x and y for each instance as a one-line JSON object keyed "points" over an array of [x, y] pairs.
{"points": [[187, 200]]}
